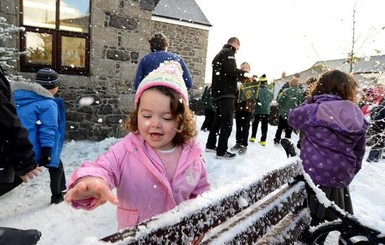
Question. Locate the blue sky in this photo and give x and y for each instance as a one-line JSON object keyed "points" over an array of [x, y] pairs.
{"points": [[82, 5]]}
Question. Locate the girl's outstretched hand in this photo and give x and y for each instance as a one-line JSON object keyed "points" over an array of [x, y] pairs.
{"points": [[89, 193]]}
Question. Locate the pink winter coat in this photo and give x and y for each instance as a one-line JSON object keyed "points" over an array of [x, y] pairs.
{"points": [[143, 190]]}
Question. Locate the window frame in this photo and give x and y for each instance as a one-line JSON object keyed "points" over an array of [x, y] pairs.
{"points": [[57, 35]]}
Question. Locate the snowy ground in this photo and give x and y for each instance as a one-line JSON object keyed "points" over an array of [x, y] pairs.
{"points": [[28, 206]]}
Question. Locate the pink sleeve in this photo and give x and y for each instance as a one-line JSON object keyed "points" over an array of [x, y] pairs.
{"points": [[203, 184], [107, 166]]}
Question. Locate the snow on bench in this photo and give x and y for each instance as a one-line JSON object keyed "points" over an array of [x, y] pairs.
{"points": [[267, 210]]}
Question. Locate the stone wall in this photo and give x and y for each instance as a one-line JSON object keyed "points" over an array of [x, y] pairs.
{"points": [[119, 32], [191, 44]]}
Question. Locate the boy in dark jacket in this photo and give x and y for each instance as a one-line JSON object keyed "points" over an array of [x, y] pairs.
{"points": [[243, 114], [209, 108], [262, 111], [376, 139], [290, 98]]}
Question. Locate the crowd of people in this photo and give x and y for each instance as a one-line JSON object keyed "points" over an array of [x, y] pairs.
{"points": [[161, 147], [332, 141]]}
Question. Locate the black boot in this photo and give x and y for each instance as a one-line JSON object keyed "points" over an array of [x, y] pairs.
{"points": [[374, 155], [57, 198], [14, 236], [289, 147]]}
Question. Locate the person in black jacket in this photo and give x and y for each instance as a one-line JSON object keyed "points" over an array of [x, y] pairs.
{"points": [[375, 133], [207, 100], [17, 162], [224, 87]]}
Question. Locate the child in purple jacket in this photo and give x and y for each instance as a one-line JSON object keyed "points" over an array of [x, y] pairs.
{"points": [[333, 143], [158, 165]]}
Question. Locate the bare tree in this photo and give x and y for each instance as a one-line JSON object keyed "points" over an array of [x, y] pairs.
{"points": [[351, 54]]}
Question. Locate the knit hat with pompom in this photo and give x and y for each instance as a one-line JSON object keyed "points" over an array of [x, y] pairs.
{"points": [[168, 74]]}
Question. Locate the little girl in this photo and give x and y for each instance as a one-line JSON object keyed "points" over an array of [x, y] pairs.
{"points": [[333, 142], [157, 165]]}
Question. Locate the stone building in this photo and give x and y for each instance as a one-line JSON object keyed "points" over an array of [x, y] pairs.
{"points": [[95, 45]]}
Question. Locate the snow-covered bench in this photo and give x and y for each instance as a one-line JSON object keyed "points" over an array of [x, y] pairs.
{"points": [[267, 210]]}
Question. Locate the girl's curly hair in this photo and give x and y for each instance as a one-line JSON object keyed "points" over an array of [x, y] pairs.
{"points": [[185, 118], [336, 82]]}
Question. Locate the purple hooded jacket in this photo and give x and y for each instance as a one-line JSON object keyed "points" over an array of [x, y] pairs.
{"points": [[333, 144]]}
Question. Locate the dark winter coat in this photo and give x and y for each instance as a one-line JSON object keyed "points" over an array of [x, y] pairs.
{"points": [[376, 129], [207, 99], [289, 98], [225, 74], [16, 154], [43, 116], [333, 142], [152, 61], [265, 96]]}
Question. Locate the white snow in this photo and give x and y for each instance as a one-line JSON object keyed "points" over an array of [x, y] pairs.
{"points": [[28, 205]]}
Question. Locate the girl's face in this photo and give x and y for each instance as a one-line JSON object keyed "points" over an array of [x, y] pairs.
{"points": [[155, 122]]}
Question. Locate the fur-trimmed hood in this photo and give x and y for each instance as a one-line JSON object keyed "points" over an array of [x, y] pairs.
{"points": [[31, 86]]}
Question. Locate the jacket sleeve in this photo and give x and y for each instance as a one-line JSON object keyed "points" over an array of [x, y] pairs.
{"points": [[186, 74], [297, 118], [359, 150], [106, 167], [230, 65], [203, 184], [49, 125], [15, 148]]}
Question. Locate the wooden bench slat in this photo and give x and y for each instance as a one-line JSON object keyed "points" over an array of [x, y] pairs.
{"points": [[252, 224], [199, 221], [288, 229]]}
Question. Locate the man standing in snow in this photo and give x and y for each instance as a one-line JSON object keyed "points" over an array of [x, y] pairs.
{"points": [[224, 87]]}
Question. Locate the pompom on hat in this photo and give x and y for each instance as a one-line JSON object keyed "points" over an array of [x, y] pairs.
{"points": [[168, 74], [48, 78]]}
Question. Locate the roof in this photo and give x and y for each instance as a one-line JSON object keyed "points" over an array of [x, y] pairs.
{"points": [[185, 10], [371, 64]]}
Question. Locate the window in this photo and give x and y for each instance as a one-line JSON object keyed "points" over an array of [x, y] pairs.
{"points": [[56, 35]]}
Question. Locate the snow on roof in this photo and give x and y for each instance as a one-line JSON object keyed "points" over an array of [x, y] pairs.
{"points": [[186, 11]]}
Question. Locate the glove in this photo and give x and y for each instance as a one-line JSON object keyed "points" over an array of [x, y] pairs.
{"points": [[45, 156], [248, 75]]}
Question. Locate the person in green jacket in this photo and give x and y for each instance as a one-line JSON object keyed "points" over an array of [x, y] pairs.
{"points": [[208, 103], [262, 111], [290, 98]]}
